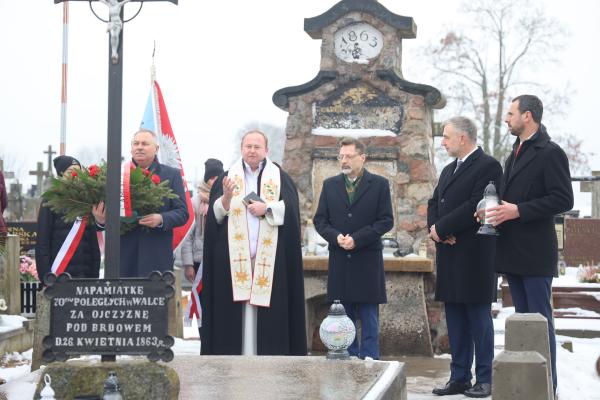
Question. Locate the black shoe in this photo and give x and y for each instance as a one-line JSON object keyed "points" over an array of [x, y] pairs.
{"points": [[479, 390], [452, 387]]}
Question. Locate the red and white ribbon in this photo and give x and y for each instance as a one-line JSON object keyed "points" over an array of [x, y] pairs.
{"points": [[69, 246], [125, 206], [193, 307]]}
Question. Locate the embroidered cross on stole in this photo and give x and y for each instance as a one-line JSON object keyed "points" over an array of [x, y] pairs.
{"points": [[248, 285]]}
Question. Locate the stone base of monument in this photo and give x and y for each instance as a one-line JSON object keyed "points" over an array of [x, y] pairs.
{"points": [[271, 377], [520, 375], [138, 380]]}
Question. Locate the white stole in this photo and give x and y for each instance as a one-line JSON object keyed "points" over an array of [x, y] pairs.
{"points": [[248, 285]]}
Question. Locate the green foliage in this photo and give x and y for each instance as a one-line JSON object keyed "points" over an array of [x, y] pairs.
{"points": [[74, 196]]}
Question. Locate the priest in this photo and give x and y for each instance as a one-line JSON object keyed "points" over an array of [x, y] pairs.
{"points": [[253, 285]]}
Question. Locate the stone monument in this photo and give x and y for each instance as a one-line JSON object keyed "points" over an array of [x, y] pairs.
{"points": [[360, 91]]}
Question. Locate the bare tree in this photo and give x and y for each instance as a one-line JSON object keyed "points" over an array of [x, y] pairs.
{"points": [[578, 157], [494, 57]]}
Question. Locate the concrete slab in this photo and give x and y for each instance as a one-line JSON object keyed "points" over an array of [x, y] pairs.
{"points": [[232, 378]]}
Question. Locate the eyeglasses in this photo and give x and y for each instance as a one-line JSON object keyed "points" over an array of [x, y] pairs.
{"points": [[346, 156]]}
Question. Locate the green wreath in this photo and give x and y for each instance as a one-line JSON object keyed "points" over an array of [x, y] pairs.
{"points": [[74, 195]]}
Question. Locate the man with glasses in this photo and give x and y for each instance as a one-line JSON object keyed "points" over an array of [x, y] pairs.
{"points": [[354, 212]]}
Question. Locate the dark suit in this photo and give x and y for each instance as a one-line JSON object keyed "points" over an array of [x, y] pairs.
{"points": [[538, 181], [357, 276], [144, 249], [466, 281]]}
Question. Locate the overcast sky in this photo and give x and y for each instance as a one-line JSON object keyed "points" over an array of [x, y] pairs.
{"points": [[218, 64]]}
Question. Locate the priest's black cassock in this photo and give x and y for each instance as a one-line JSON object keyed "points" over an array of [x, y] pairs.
{"points": [[281, 328]]}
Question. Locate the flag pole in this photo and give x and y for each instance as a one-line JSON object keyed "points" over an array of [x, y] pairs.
{"points": [[63, 94]]}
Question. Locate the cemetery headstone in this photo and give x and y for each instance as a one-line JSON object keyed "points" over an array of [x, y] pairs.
{"points": [[582, 236]]}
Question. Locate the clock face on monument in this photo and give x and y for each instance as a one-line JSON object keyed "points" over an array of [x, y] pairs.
{"points": [[358, 43]]}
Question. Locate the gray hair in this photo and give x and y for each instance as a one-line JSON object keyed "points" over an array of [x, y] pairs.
{"points": [[152, 133], [464, 125]]}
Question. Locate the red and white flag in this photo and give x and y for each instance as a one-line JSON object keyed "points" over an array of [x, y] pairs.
{"points": [[69, 246], [156, 119], [193, 308]]}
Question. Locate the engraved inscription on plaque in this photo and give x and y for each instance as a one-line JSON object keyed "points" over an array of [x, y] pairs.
{"points": [[358, 43], [358, 106], [109, 317], [27, 233], [581, 241]]}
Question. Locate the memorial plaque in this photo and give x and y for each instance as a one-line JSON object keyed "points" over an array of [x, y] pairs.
{"points": [[582, 236], [27, 233], [109, 317], [358, 106]]}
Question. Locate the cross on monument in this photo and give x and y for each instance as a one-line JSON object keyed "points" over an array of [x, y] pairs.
{"points": [[114, 134], [50, 154], [40, 174], [593, 185]]}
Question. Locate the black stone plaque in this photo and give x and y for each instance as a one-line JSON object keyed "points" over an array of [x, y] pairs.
{"points": [[27, 232], [109, 316], [359, 106]]}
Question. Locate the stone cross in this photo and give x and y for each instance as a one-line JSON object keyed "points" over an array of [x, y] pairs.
{"points": [[593, 186], [7, 174], [40, 174], [50, 154]]}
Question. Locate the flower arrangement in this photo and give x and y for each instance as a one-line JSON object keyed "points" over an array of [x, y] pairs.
{"points": [[74, 195], [28, 270], [588, 274]]}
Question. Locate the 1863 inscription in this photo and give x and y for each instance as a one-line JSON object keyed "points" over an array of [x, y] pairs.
{"points": [[109, 317]]}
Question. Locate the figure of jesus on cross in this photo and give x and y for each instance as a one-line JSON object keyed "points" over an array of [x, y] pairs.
{"points": [[115, 24]]}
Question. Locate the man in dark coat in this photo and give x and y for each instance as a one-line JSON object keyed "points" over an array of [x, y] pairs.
{"points": [[52, 232], [466, 281], [535, 187], [253, 285], [354, 211], [149, 247]]}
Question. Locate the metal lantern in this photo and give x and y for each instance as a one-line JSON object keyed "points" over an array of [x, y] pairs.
{"points": [[111, 388], [337, 332], [490, 199]]}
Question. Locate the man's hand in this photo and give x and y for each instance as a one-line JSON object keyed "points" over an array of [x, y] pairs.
{"points": [[99, 213], [346, 242], [257, 208], [190, 273], [151, 220], [228, 188], [499, 214], [433, 234], [451, 240]]}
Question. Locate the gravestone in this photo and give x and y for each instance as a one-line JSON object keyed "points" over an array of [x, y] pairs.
{"points": [[108, 317], [27, 233], [359, 91], [582, 236]]}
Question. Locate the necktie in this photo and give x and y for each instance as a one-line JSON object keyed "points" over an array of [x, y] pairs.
{"points": [[518, 149], [458, 164]]}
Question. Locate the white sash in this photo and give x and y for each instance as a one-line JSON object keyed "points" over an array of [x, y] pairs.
{"points": [[255, 287], [69, 246]]}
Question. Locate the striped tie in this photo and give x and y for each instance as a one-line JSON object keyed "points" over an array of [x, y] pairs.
{"points": [[458, 164]]}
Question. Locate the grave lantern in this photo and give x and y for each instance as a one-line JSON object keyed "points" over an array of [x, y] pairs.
{"points": [[337, 332], [490, 199]]}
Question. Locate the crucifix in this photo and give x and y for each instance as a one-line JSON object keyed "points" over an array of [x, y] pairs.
{"points": [[40, 174], [50, 154], [7, 174], [115, 101]]}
